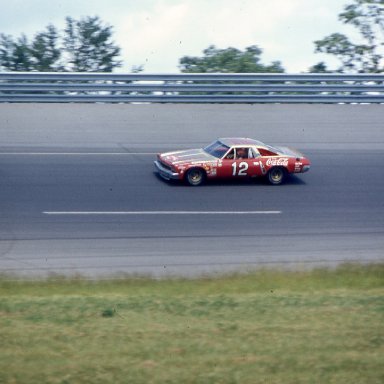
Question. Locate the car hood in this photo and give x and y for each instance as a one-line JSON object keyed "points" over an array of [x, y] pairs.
{"points": [[188, 156]]}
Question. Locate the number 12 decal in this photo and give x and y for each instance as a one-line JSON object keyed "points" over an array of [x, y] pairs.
{"points": [[241, 171]]}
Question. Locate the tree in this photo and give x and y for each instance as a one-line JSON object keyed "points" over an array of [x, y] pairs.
{"points": [[44, 51], [89, 47], [21, 55], [15, 54], [6, 51], [229, 60], [368, 17], [319, 68], [85, 45]]}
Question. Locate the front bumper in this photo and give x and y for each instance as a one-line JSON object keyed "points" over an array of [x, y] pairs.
{"points": [[165, 173]]}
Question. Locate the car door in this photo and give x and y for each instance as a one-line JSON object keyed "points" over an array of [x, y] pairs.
{"points": [[239, 162], [224, 169]]}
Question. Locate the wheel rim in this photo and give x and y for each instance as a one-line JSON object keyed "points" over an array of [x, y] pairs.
{"points": [[276, 175], [195, 177]]}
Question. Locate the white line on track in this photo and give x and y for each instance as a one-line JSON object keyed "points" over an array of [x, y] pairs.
{"points": [[85, 213]]}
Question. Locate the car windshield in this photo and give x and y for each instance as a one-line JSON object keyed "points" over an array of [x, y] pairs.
{"points": [[217, 149]]}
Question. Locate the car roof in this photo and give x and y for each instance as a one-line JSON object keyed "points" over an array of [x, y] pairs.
{"points": [[231, 141]]}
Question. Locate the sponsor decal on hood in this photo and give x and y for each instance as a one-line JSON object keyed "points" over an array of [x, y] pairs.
{"points": [[188, 156]]}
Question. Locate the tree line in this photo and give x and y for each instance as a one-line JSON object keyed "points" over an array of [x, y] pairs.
{"points": [[87, 45]]}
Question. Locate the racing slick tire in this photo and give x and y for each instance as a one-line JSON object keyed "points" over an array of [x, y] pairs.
{"points": [[277, 175], [195, 176]]}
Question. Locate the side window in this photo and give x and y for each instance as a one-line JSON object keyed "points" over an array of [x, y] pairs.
{"points": [[230, 155], [265, 152], [253, 153], [242, 153]]}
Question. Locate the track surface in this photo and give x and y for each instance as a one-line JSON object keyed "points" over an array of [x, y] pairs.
{"points": [[62, 159]]}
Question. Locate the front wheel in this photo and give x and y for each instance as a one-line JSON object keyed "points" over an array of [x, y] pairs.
{"points": [[195, 177], [276, 176]]}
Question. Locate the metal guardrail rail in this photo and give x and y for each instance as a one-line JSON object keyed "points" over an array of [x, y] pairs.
{"points": [[46, 87]]}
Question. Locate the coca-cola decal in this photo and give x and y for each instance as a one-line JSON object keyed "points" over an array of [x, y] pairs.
{"points": [[282, 161]]}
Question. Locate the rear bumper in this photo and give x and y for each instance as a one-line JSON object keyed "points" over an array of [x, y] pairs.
{"points": [[164, 172]]}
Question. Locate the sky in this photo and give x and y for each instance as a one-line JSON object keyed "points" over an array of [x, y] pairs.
{"points": [[157, 33]]}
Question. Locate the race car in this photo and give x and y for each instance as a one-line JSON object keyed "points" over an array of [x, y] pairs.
{"points": [[229, 158]]}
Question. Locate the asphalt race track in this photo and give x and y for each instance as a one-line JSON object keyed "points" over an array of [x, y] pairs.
{"points": [[79, 195]]}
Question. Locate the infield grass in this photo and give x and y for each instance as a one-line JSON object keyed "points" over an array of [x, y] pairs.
{"points": [[321, 326]]}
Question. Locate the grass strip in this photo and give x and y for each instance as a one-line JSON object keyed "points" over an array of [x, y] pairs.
{"points": [[319, 326]]}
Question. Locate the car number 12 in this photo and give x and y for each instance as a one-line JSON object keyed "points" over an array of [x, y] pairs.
{"points": [[241, 171]]}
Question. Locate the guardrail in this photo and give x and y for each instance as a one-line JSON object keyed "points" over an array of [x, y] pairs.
{"points": [[46, 87]]}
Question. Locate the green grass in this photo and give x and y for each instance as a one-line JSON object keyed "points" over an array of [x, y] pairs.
{"points": [[321, 326]]}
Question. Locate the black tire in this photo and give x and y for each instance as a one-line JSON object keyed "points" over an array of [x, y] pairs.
{"points": [[195, 177], [276, 176]]}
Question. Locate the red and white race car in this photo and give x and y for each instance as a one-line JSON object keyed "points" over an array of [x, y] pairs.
{"points": [[231, 158]]}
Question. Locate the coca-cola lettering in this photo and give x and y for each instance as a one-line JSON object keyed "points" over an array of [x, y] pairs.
{"points": [[283, 161]]}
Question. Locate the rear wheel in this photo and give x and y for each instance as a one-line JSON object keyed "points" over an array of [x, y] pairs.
{"points": [[276, 176], [195, 176]]}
